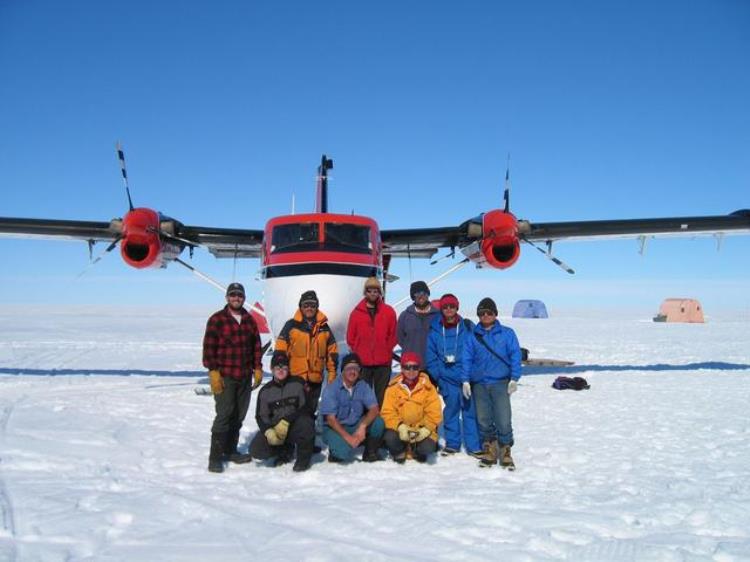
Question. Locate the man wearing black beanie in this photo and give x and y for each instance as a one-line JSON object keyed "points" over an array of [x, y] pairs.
{"points": [[414, 322]]}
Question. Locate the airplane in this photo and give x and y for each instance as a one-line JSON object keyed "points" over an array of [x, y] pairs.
{"points": [[334, 253]]}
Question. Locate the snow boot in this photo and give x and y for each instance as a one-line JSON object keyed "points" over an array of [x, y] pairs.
{"points": [[371, 450], [284, 455], [400, 458], [216, 453], [448, 451], [506, 461], [489, 454]]}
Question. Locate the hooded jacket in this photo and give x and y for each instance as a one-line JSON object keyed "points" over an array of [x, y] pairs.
{"points": [[420, 407], [372, 337], [413, 329], [482, 366], [310, 348], [442, 342]]}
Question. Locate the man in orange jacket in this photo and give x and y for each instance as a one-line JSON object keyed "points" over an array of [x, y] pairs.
{"points": [[308, 342], [412, 412]]}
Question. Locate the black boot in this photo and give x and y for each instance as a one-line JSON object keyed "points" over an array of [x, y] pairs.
{"points": [[230, 451], [372, 444], [216, 454]]}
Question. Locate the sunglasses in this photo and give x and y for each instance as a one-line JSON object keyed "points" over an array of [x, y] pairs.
{"points": [[352, 369], [237, 295], [309, 305], [410, 367], [372, 290], [421, 294], [485, 313], [453, 306]]}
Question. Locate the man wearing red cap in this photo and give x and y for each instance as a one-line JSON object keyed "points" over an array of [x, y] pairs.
{"points": [[445, 349], [411, 412], [371, 334]]}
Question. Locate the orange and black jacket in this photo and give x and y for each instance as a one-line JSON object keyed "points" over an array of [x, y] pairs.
{"points": [[310, 348]]}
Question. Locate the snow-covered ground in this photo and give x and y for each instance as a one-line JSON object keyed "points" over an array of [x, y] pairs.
{"points": [[651, 463]]}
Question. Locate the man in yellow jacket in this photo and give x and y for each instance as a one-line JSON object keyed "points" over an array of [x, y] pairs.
{"points": [[411, 411], [310, 345]]}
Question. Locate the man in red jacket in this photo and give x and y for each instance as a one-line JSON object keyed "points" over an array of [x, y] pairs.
{"points": [[232, 355], [371, 334]]}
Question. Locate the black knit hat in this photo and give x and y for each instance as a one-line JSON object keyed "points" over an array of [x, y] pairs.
{"points": [[350, 358], [309, 296], [487, 304], [418, 287], [279, 359], [235, 288]]}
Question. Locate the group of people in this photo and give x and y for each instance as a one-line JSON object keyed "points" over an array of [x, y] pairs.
{"points": [[473, 368]]}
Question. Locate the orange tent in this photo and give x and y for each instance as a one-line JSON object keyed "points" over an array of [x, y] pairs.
{"points": [[680, 310]]}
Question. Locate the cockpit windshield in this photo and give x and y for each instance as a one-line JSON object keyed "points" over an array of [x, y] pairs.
{"points": [[347, 237], [294, 237]]}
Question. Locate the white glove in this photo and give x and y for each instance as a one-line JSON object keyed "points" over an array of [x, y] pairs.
{"points": [[466, 389], [512, 387]]}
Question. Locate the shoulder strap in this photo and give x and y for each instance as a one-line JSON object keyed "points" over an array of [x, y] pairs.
{"points": [[480, 339]]}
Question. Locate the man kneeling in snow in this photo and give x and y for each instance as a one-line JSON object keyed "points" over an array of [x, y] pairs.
{"points": [[282, 420], [350, 410], [411, 411]]}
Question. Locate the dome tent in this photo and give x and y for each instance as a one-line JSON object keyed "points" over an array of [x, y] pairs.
{"points": [[528, 308], [680, 310]]}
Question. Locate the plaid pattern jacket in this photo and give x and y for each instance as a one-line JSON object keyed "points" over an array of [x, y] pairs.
{"points": [[229, 347]]}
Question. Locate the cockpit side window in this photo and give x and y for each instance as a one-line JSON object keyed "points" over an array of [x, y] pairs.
{"points": [[346, 237], [294, 237]]}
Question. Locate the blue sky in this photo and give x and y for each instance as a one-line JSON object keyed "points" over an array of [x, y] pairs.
{"points": [[609, 110]]}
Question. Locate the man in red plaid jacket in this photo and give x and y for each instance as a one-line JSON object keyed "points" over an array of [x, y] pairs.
{"points": [[232, 355]]}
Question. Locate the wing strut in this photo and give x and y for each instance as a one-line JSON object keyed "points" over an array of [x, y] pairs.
{"points": [[549, 256]]}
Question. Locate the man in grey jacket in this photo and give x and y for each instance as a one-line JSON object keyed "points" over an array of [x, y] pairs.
{"points": [[282, 420], [414, 322]]}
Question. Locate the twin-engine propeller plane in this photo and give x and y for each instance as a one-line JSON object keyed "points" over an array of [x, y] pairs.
{"points": [[334, 253]]}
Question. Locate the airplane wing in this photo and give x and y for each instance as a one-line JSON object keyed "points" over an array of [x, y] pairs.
{"points": [[221, 242], [424, 242]]}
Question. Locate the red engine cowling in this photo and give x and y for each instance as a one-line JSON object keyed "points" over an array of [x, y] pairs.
{"points": [[142, 245], [500, 246]]}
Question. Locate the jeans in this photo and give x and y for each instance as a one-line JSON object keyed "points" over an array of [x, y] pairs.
{"points": [[340, 448], [493, 411], [459, 412]]}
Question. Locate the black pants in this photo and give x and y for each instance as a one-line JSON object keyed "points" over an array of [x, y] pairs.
{"points": [[312, 396], [396, 446], [231, 406], [301, 433], [377, 377]]}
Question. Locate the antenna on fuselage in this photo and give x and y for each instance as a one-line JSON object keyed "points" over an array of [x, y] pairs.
{"points": [[321, 200]]}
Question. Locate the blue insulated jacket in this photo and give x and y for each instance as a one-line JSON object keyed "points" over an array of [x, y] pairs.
{"points": [[442, 342], [481, 366]]}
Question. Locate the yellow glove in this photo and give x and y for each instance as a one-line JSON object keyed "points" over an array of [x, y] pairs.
{"points": [[272, 438], [422, 434], [257, 378], [403, 432], [281, 429], [217, 383]]}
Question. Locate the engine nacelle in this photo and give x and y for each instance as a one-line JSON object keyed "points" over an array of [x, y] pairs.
{"points": [[142, 245], [499, 246]]}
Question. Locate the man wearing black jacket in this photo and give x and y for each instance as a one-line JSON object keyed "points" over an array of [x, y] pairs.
{"points": [[282, 420]]}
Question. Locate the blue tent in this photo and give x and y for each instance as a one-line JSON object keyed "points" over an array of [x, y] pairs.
{"points": [[528, 308]]}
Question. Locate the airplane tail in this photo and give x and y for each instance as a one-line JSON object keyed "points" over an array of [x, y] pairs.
{"points": [[321, 199]]}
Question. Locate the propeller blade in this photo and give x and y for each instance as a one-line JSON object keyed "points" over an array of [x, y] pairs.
{"points": [[506, 192], [107, 250], [121, 158], [561, 264]]}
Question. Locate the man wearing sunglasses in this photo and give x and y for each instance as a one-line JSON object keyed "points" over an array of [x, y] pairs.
{"points": [[310, 345], [371, 334], [411, 412], [232, 355], [414, 322], [491, 369], [445, 351]]}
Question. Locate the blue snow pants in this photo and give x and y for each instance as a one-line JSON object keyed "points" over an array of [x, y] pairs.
{"points": [[457, 410]]}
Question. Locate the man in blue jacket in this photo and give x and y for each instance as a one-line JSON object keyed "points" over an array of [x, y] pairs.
{"points": [[492, 367], [445, 350]]}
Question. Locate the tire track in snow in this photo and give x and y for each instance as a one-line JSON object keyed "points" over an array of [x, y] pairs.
{"points": [[7, 545]]}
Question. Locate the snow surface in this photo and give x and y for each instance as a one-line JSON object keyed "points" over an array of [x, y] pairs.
{"points": [[651, 463]]}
